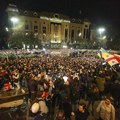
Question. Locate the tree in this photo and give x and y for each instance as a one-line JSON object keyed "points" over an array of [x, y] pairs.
{"points": [[114, 43], [17, 40]]}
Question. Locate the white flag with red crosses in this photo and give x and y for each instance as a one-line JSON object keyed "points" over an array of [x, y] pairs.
{"points": [[111, 59]]}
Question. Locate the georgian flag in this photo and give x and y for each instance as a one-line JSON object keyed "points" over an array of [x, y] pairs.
{"points": [[110, 59], [117, 57]]}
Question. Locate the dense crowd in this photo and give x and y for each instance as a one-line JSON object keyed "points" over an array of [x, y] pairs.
{"points": [[61, 81]]}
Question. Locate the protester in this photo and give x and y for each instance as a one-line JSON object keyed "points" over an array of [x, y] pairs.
{"points": [[43, 109], [45, 73], [106, 110]]}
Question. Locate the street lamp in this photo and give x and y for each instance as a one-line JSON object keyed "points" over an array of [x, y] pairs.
{"points": [[14, 20], [6, 29], [101, 31], [102, 37], [79, 34]]}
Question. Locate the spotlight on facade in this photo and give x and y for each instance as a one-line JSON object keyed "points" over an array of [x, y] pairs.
{"points": [[26, 34], [44, 49], [104, 37], [6, 29], [28, 46], [64, 46], [36, 46], [65, 78], [23, 46], [79, 34]]}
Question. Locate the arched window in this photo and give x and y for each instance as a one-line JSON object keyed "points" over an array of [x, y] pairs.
{"points": [[35, 14], [26, 12], [56, 15]]}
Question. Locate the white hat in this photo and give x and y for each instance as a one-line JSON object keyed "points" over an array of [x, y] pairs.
{"points": [[35, 107], [43, 107]]}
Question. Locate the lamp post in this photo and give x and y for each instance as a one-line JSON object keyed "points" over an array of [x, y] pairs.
{"points": [[101, 31], [102, 37]]}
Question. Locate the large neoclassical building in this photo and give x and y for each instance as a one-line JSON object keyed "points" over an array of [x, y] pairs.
{"points": [[49, 27]]}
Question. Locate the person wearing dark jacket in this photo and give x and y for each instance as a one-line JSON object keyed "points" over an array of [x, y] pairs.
{"points": [[81, 113], [67, 108]]}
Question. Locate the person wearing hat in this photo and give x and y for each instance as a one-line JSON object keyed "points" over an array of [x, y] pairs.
{"points": [[39, 108], [106, 110], [100, 81]]}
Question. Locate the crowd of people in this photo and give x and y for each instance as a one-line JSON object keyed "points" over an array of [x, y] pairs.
{"points": [[58, 81]]}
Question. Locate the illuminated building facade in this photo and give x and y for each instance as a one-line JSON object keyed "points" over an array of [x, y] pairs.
{"points": [[51, 28]]}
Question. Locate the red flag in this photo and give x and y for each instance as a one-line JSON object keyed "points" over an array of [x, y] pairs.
{"points": [[117, 57]]}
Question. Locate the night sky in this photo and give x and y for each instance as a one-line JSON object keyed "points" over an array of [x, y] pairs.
{"points": [[99, 12]]}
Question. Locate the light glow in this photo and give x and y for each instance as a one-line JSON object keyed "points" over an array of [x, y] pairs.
{"points": [[64, 46], [65, 78], [6, 29], [79, 34], [44, 49], [14, 20], [101, 30], [104, 37]]}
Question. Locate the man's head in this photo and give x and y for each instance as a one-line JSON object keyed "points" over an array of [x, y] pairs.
{"points": [[60, 115], [108, 100]]}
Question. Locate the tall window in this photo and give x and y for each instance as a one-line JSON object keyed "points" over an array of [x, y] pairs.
{"points": [[84, 35], [56, 28], [36, 29], [72, 34], [87, 34], [78, 32], [44, 30], [26, 27], [66, 33]]}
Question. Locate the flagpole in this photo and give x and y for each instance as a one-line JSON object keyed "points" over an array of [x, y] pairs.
{"points": [[113, 69], [101, 58]]}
